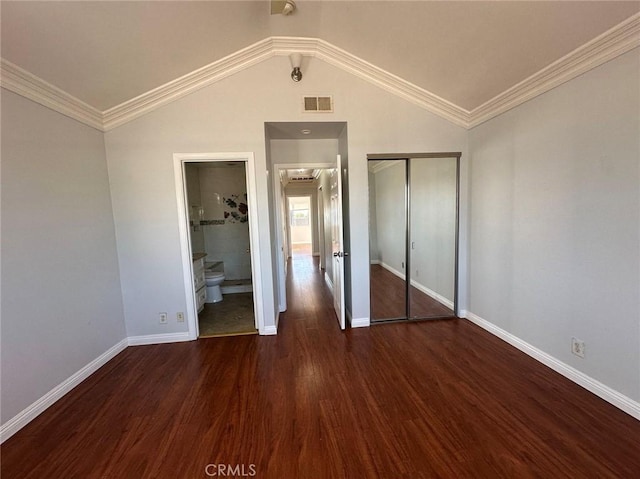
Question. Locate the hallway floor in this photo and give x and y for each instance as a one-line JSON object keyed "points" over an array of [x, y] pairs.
{"points": [[403, 400]]}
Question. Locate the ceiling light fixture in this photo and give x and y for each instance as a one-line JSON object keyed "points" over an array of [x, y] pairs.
{"points": [[305, 132], [296, 62], [284, 7]]}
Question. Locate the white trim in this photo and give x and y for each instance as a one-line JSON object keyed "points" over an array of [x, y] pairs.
{"points": [[610, 395], [381, 165], [350, 63], [431, 293], [179, 159], [399, 274], [328, 281], [159, 338], [374, 261], [27, 415], [614, 42], [28, 85], [271, 330], [607, 46], [358, 322], [186, 84]]}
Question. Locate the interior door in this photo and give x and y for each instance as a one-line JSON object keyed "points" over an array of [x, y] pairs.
{"points": [[337, 243]]}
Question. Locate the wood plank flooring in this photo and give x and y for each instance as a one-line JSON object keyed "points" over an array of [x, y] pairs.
{"points": [[439, 399], [388, 298]]}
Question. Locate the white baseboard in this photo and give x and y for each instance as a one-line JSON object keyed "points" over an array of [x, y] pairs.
{"points": [[399, 274], [431, 293], [357, 322], [269, 331], [328, 281], [23, 418], [159, 338], [360, 323], [610, 395], [420, 287]]}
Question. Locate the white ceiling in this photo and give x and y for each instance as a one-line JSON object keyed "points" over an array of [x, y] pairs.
{"points": [[107, 52]]}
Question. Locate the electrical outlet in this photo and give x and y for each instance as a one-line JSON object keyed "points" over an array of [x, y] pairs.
{"points": [[577, 347], [180, 317], [164, 318]]}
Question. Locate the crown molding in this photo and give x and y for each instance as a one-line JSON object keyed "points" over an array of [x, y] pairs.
{"points": [[20, 81], [614, 42], [611, 44], [356, 66], [200, 78]]}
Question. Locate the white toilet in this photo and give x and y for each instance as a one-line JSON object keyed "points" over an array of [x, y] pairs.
{"points": [[213, 280]]}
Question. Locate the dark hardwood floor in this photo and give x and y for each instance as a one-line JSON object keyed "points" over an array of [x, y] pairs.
{"points": [[388, 298], [438, 399]]}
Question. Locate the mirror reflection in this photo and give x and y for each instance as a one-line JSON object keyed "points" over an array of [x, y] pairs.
{"points": [[412, 234], [432, 236], [387, 245]]}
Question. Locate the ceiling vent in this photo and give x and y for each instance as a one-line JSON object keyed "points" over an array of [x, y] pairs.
{"points": [[318, 104]]}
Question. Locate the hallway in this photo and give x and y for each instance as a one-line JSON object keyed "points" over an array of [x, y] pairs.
{"points": [[404, 400]]}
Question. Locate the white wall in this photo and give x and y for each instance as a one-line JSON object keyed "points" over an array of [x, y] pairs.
{"points": [[61, 298], [391, 215], [228, 242], [304, 151], [433, 224], [326, 203], [554, 230], [230, 116], [192, 177], [373, 222]]}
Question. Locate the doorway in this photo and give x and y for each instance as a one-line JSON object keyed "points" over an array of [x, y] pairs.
{"points": [[413, 225], [302, 147], [300, 218], [217, 196]]}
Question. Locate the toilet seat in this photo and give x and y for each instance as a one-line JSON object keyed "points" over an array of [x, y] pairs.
{"points": [[213, 274]]}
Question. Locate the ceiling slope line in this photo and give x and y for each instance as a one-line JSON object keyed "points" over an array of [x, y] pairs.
{"points": [[186, 84], [28, 85], [392, 83], [616, 41]]}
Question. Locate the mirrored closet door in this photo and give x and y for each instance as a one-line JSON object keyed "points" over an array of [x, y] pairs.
{"points": [[413, 232]]}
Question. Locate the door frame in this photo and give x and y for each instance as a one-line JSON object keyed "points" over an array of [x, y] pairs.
{"points": [[281, 272], [456, 288], [179, 161]]}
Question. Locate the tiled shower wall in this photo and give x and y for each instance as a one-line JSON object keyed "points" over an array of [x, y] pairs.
{"points": [[224, 239]]}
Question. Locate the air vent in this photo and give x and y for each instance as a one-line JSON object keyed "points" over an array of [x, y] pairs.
{"points": [[318, 104]]}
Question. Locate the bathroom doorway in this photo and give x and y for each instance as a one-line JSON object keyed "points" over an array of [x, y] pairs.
{"points": [[220, 226]]}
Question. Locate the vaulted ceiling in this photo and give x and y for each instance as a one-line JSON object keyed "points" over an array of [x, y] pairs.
{"points": [[107, 52]]}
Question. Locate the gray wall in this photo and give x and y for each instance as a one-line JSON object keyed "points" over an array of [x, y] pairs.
{"points": [[391, 216], [433, 224], [554, 230], [61, 298]]}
